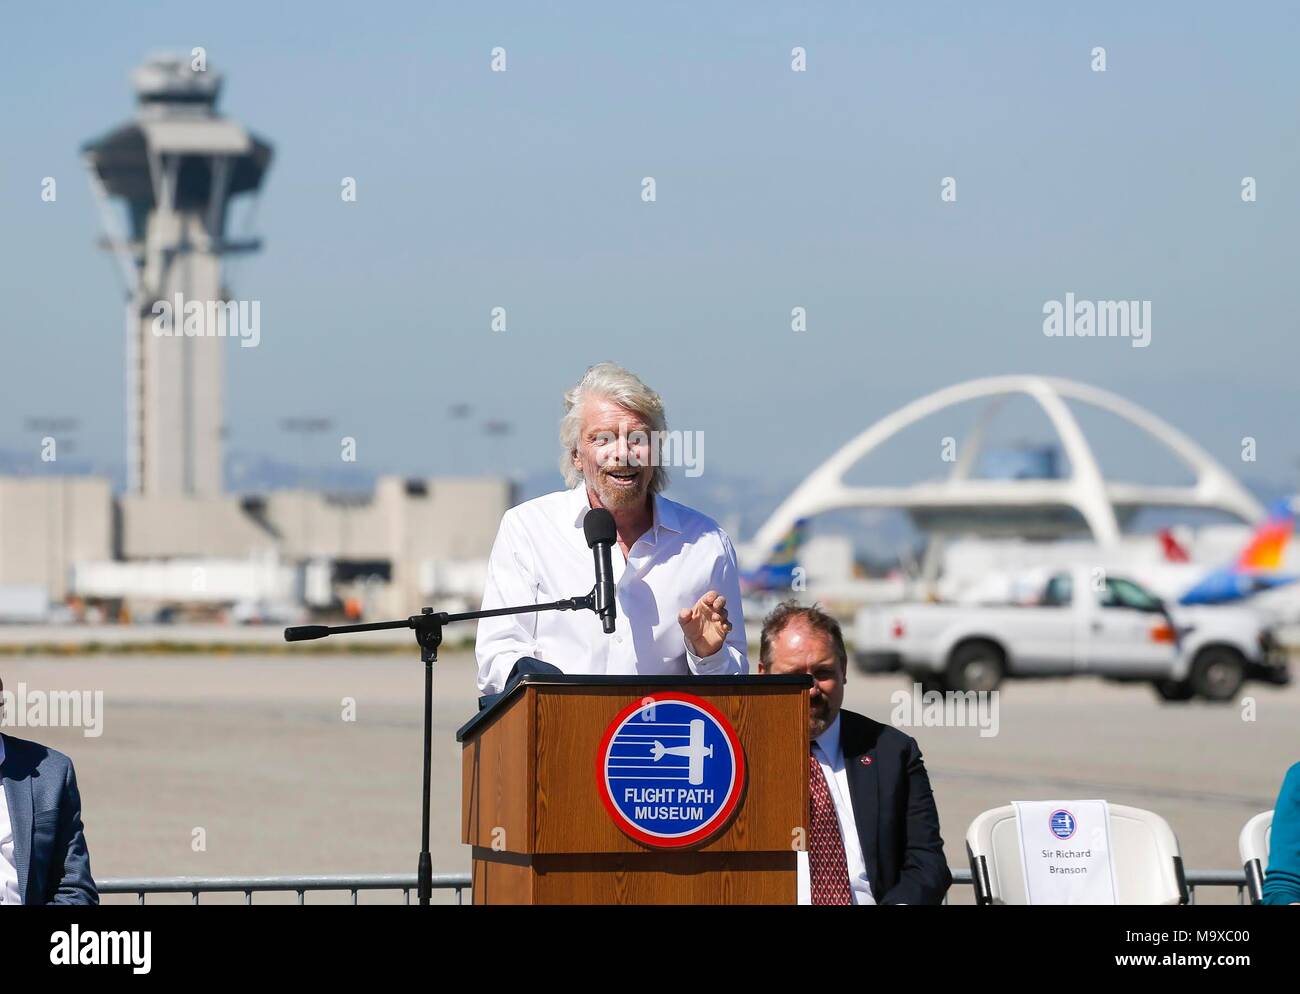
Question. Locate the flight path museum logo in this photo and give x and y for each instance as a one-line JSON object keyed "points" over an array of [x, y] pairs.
{"points": [[670, 770]]}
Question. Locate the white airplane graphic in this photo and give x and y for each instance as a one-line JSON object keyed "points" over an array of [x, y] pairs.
{"points": [[697, 750]]}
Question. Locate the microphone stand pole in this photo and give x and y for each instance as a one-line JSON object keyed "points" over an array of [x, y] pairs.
{"points": [[428, 627]]}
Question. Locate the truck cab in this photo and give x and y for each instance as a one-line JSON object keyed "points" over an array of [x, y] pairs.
{"points": [[1075, 620]]}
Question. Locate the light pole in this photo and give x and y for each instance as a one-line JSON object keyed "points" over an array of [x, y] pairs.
{"points": [[305, 427]]}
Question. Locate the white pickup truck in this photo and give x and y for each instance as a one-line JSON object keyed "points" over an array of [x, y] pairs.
{"points": [[1080, 622]]}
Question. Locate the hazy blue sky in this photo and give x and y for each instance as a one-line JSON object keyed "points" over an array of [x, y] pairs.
{"points": [[775, 189]]}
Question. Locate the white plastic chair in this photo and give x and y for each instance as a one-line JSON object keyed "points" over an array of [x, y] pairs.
{"points": [[1253, 845], [1148, 865]]}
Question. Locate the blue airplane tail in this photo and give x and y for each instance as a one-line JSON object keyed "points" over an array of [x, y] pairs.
{"points": [[777, 572], [1258, 568]]}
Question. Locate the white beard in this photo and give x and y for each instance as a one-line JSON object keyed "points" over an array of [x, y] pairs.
{"points": [[617, 498]]}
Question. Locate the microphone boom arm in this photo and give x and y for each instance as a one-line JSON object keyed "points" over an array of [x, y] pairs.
{"points": [[428, 626]]}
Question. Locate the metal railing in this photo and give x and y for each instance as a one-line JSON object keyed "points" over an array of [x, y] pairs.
{"points": [[457, 882], [194, 886], [1195, 879]]}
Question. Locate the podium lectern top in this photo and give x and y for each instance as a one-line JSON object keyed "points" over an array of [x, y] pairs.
{"points": [[632, 680]]}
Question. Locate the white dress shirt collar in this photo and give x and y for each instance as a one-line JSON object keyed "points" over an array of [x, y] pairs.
{"points": [[829, 741], [663, 511]]}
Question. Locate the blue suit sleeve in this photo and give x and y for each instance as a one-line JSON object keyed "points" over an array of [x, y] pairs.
{"points": [[75, 885], [1282, 878]]}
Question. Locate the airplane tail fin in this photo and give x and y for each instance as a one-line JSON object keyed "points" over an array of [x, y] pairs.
{"points": [[1259, 567], [1174, 550], [1264, 552], [777, 571], [786, 551]]}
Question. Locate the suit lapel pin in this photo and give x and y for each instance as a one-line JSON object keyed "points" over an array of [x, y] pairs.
{"points": [[865, 760]]}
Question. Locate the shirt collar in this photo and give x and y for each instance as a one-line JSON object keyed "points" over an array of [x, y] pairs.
{"points": [[666, 514], [829, 740], [664, 511], [579, 503]]}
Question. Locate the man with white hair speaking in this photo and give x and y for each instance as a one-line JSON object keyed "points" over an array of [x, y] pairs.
{"points": [[677, 586]]}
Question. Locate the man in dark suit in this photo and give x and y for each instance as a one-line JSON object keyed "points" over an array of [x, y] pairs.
{"points": [[43, 855], [874, 829]]}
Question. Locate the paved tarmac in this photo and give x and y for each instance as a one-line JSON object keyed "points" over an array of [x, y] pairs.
{"points": [[245, 765]]}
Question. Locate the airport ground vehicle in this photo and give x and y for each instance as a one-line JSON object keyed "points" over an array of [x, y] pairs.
{"points": [[1082, 621]]}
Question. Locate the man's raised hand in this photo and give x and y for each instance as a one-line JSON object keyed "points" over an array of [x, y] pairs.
{"points": [[705, 626]]}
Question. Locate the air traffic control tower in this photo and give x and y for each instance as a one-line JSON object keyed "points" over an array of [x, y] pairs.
{"points": [[175, 169]]}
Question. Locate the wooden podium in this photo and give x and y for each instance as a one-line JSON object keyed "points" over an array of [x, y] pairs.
{"points": [[537, 808]]}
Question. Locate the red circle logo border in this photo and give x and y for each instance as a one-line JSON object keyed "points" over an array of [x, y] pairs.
{"points": [[709, 828]]}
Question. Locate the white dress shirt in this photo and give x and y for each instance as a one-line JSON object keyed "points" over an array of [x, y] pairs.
{"points": [[541, 554], [826, 747], [8, 868]]}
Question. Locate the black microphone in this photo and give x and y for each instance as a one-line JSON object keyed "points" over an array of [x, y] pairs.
{"points": [[599, 528]]}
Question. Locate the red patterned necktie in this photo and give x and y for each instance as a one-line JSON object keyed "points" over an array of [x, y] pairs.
{"points": [[828, 868]]}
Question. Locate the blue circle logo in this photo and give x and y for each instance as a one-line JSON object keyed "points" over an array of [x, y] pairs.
{"points": [[1062, 823], [670, 770]]}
